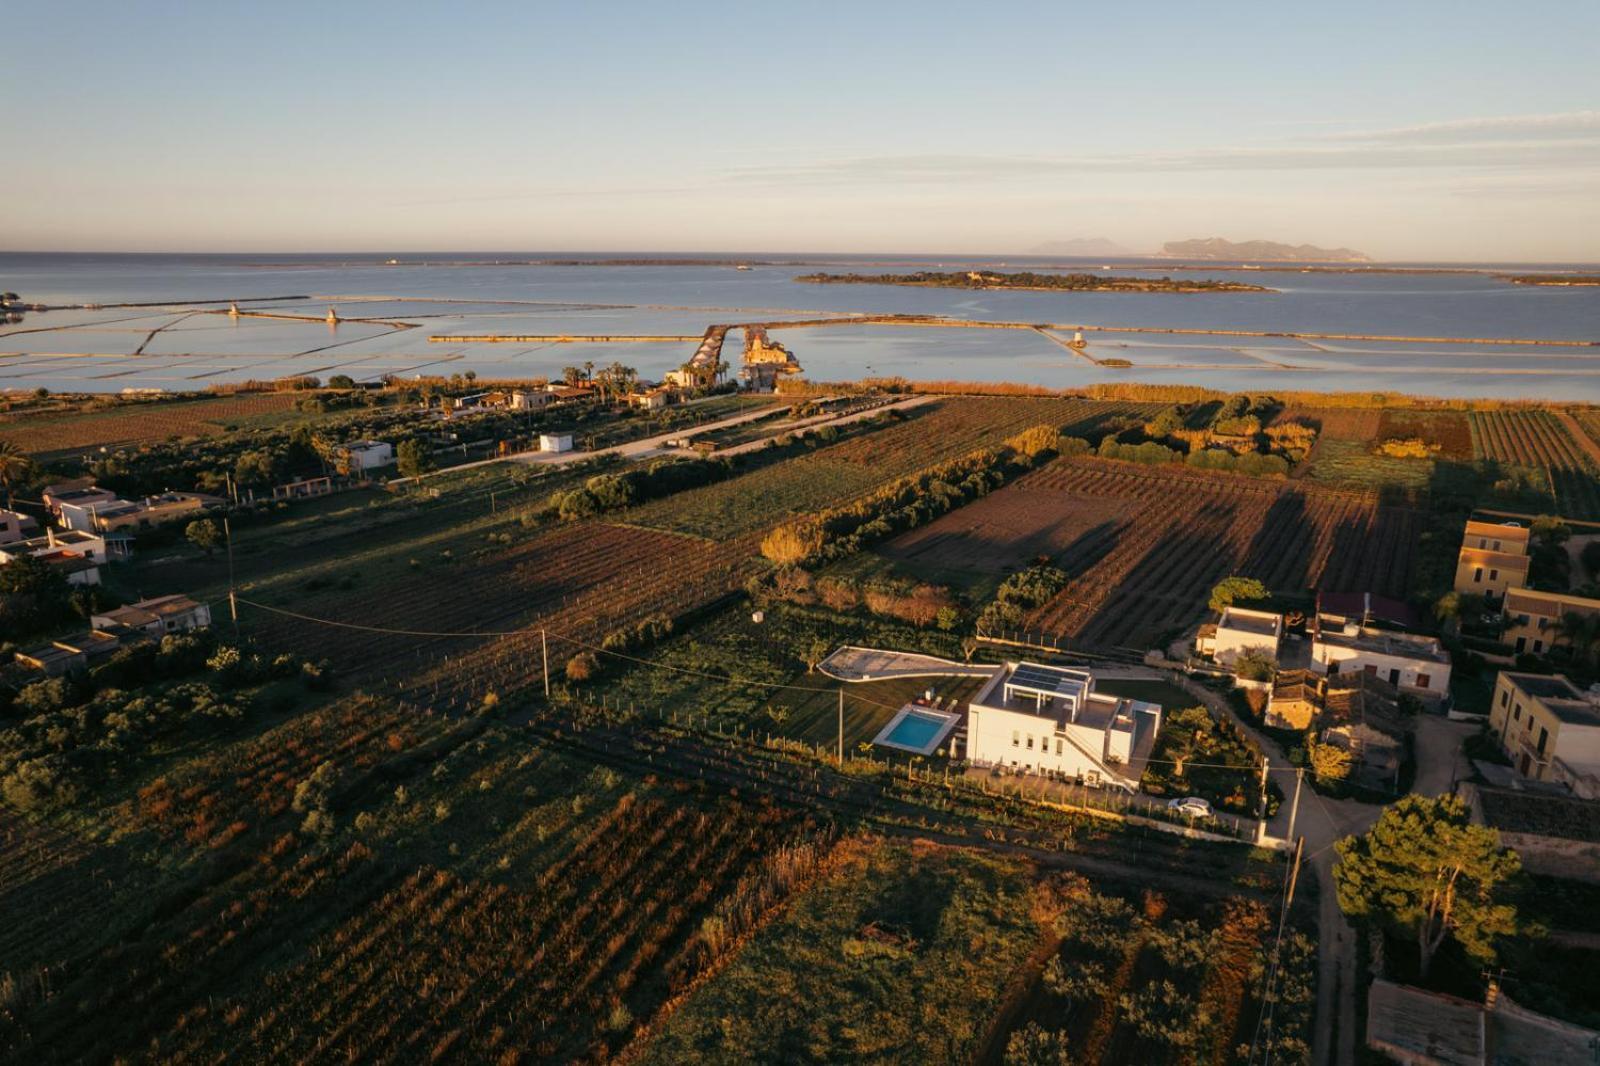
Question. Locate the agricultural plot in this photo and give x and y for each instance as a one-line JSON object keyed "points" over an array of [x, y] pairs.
{"points": [[1335, 423], [59, 895], [835, 474], [903, 953], [1537, 438], [1155, 980], [509, 905], [1446, 434], [582, 580], [1152, 542], [126, 425]]}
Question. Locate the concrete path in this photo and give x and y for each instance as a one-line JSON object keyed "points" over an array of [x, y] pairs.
{"points": [[1440, 760], [853, 664], [1322, 821]]}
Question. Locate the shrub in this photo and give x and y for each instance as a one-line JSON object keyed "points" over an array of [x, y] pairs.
{"points": [[582, 666], [793, 543]]}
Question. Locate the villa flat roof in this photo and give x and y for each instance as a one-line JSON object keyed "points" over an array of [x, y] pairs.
{"points": [[1260, 623], [1384, 643], [1509, 560], [1537, 601]]}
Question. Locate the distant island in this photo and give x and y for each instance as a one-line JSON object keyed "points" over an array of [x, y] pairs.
{"points": [[1217, 248], [1099, 247], [1551, 279], [1028, 281]]}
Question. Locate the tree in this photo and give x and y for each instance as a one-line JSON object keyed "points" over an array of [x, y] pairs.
{"points": [[1454, 608], [1330, 764], [203, 534], [341, 381], [254, 467], [1550, 530], [1427, 872], [15, 468], [792, 543], [1236, 589], [412, 458], [1255, 664], [33, 596], [817, 650], [1582, 632]]}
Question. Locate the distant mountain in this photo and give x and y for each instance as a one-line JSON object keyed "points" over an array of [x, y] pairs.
{"points": [[1249, 251], [1084, 246]]}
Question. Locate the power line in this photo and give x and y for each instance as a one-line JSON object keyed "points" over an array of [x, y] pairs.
{"points": [[725, 679]]}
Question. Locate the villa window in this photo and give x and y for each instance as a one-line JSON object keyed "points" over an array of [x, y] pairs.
{"points": [[1538, 646], [1505, 697], [1030, 741], [1544, 735], [1516, 712], [1496, 545], [1477, 576], [1494, 574], [1423, 680], [1058, 745], [1016, 738]]}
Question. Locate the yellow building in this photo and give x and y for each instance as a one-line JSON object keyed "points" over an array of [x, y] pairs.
{"points": [[1546, 726], [1532, 618], [1493, 558]]}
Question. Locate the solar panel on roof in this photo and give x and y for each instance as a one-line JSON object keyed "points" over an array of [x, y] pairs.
{"points": [[1046, 679]]}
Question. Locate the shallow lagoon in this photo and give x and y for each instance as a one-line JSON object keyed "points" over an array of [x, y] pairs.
{"points": [[92, 349]]}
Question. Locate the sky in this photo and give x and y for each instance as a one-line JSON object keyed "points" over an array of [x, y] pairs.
{"points": [[1422, 130]]}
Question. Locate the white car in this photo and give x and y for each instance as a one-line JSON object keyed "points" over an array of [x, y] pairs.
{"points": [[1193, 806]]}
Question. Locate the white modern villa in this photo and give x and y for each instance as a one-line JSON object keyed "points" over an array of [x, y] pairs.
{"points": [[1049, 720]]}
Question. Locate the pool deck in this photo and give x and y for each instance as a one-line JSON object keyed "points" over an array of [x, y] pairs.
{"points": [[952, 719]]}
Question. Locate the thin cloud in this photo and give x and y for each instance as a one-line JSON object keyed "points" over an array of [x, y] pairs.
{"points": [[966, 168], [1567, 124]]}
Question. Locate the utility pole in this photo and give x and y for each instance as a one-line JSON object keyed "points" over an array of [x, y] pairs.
{"points": [[233, 601], [841, 728], [1294, 872], [1261, 809], [1294, 807], [544, 649], [492, 509]]}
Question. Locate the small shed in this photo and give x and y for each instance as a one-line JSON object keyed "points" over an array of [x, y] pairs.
{"points": [[555, 442]]}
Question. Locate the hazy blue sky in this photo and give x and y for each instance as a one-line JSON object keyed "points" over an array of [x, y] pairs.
{"points": [[1406, 129]]}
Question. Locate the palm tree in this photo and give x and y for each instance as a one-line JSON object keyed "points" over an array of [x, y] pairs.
{"points": [[1582, 632], [15, 468]]}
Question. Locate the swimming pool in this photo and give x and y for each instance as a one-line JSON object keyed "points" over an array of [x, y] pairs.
{"points": [[916, 729]]}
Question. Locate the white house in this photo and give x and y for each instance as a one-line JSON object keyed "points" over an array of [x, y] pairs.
{"points": [[367, 455], [1049, 720], [1239, 630], [1412, 663], [527, 400], [77, 556], [89, 545], [555, 442], [14, 526], [157, 616]]}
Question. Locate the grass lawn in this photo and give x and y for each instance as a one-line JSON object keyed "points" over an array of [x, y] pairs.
{"points": [[868, 706], [902, 954]]}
